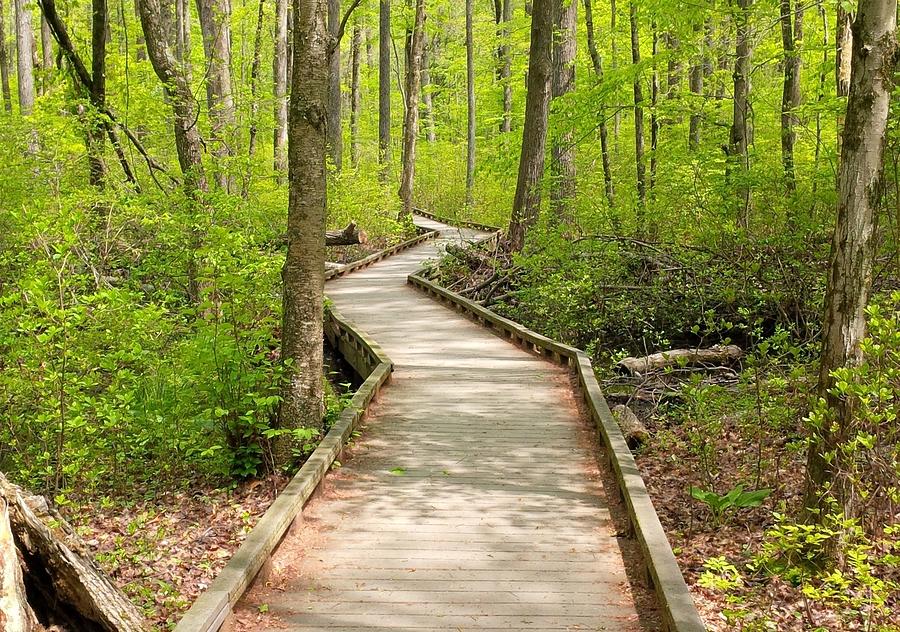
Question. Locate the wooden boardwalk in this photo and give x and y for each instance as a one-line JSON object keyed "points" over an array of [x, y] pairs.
{"points": [[471, 501]]}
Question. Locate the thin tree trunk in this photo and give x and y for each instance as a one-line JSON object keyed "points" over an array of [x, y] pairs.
{"points": [[96, 133], [411, 121], [597, 62], [562, 151], [427, 97], [355, 52], [4, 62], [25, 61], [280, 83], [843, 42], [46, 54], [527, 202], [470, 101], [384, 86], [334, 137], [654, 116], [741, 129], [188, 143], [673, 72], [505, 64], [216, 30], [823, 76], [183, 36], [696, 87], [140, 53], [304, 267], [638, 121], [254, 100], [791, 36], [874, 56], [614, 63]]}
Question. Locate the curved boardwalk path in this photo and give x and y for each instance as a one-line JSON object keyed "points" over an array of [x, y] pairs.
{"points": [[469, 502]]}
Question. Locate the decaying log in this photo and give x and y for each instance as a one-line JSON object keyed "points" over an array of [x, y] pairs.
{"points": [[15, 613], [67, 586], [636, 433], [348, 237], [717, 355]]}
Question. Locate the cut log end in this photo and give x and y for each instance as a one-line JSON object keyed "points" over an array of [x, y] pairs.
{"points": [[635, 432], [350, 236]]}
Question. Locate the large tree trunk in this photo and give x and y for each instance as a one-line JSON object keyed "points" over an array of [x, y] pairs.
{"points": [[843, 42], [216, 30], [4, 62], [355, 52], [695, 85], [527, 202], [188, 143], [304, 266], [853, 245], [411, 122], [96, 132], [470, 109], [384, 86], [25, 61], [334, 139], [741, 130], [562, 151], [280, 83], [791, 36], [597, 62], [638, 121]]}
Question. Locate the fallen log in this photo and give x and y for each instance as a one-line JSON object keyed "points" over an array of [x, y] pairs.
{"points": [[15, 613], [349, 236], [717, 355], [636, 433], [66, 586]]}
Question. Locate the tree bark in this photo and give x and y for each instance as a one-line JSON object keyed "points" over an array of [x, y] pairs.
{"points": [[216, 30], [254, 99], [843, 42], [15, 613], [355, 53], [46, 54], [597, 62], [470, 109], [527, 202], [874, 57], [791, 36], [183, 36], [562, 151], [427, 97], [641, 168], [695, 82], [4, 62], [384, 86], [96, 132], [411, 122], [24, 59], [505, 64], [334, 139], [655, 123], [280, 84], [188, 143], [741, 129], [304, 267]]}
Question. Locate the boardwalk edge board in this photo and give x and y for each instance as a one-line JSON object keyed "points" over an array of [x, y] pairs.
{"points": [[665, 575], [210, 611]]}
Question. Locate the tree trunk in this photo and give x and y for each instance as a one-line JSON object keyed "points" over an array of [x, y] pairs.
{"points": [[843, 42], [4, 62], [527, 202], [355, 46], [216, 30], [853, 246], [427, 99], [741, 129], [254, 99], [823, 77], [638, 121], [614, 63], [188, 143], [183, 36], [791, 36], [280, 83], [25, 61], [673, 72], [15, 613], [654, 116], [597, 62], [46, 54], [695, 81], [96, 132], [304, 267], [334, 139], [384, 86], [411, 121], [505, 64], [562, 151], [470, 101]]}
